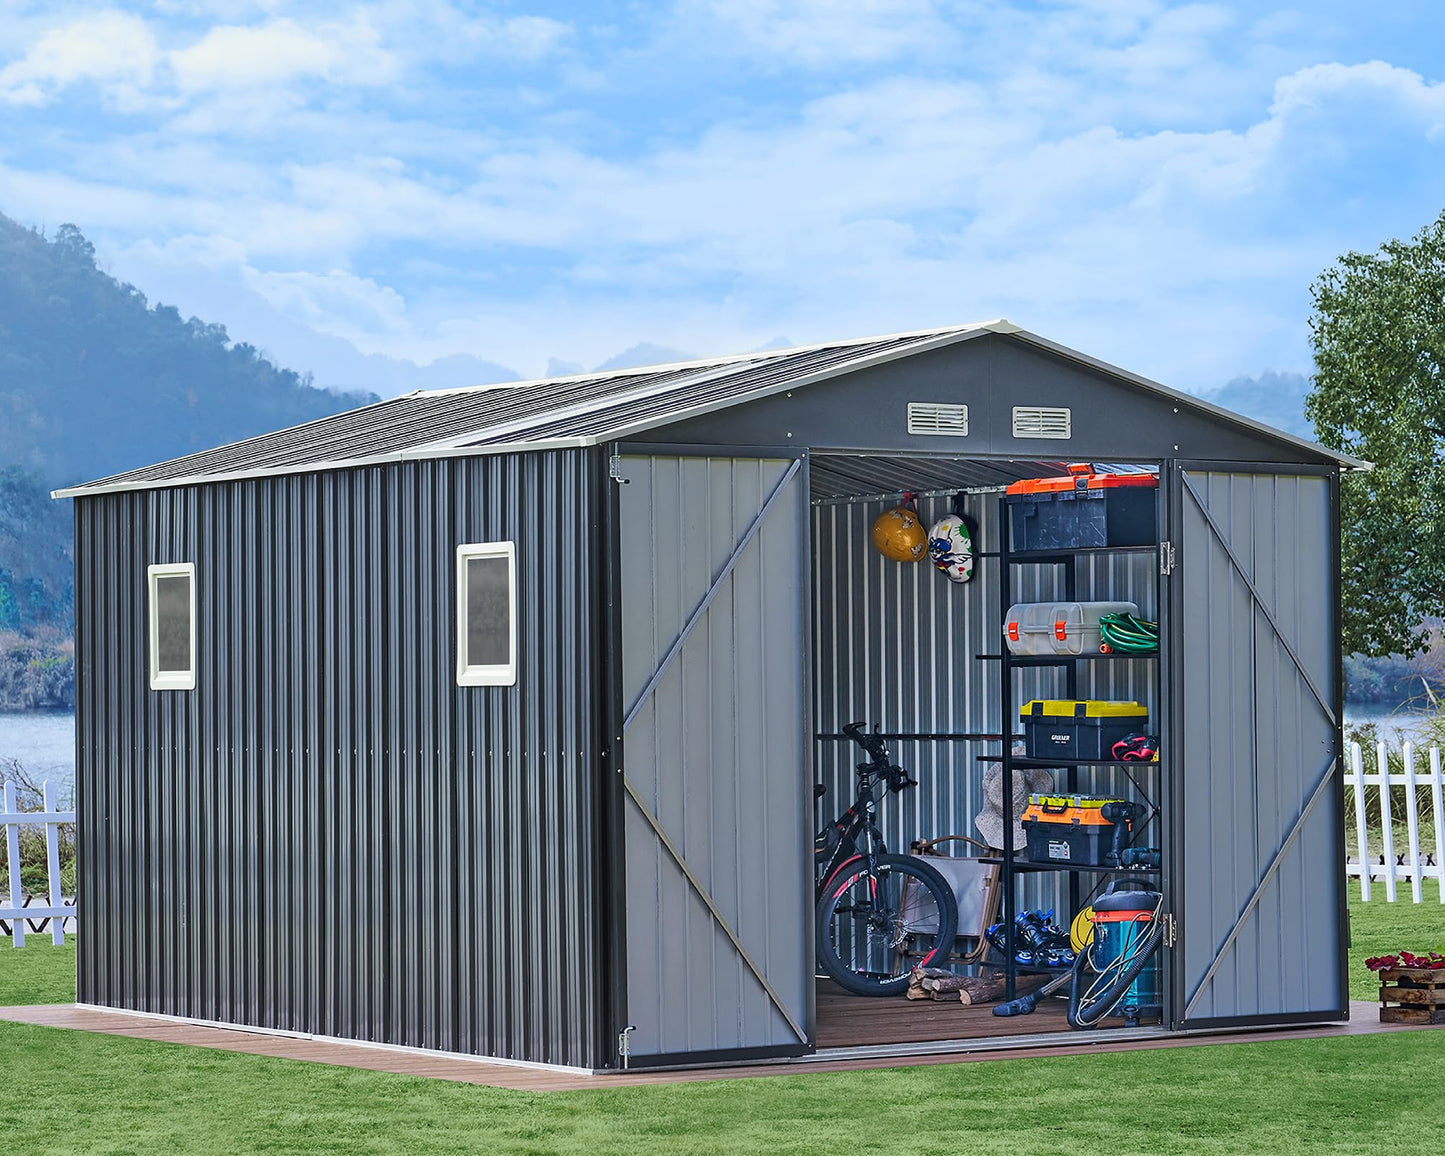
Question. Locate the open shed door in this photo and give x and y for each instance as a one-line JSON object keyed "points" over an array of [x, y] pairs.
{"points": [[715, 759], [1259, 875]]}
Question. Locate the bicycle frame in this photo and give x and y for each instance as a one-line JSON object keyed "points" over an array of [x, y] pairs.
{"points": [[858, 821]]}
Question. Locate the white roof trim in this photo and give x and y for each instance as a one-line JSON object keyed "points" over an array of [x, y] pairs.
{"points": [[416, 453]]}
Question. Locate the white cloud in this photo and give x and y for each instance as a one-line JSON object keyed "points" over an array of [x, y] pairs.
{"points": [[370, 315], [110, 48], [1137, 178], [174, 65], [281, 50], [1339, 87]]}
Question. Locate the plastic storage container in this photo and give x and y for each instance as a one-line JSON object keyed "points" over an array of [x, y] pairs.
{"points": [[1068, 829], [1058, 627], [1083, 509], [1079, 728]]}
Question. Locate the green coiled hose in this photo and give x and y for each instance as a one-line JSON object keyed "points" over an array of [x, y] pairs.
{"points": [[1130, 635]]}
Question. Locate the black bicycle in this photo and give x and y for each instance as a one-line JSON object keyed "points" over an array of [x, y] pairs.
{"points": [[879, 914]]}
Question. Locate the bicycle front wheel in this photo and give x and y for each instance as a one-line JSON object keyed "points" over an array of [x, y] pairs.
{"points": [[875, 925]]}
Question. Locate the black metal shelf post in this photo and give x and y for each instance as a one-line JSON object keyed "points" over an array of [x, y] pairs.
{"points": [[1070, 665], [1006, 788]]}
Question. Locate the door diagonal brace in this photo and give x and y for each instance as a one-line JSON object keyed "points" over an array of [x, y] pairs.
{"points": [[1258, 599], [717, 584], [713, 908], [1259, 887]]}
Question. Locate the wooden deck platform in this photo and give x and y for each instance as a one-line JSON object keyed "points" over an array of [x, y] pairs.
{"points": [[853, 1021], [381, 1058]]}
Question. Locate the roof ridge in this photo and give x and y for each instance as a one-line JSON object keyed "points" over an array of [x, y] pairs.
{"points": [[708, 372], [709, 362]]}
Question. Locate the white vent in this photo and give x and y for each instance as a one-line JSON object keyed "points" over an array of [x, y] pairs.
{"points": [[1039, 421], [938, 418]]}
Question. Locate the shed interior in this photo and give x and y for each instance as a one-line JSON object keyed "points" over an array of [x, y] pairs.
{"points": [[908, 651]]}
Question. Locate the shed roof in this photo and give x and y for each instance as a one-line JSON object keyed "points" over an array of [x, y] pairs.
{"points": [[585, 409]]}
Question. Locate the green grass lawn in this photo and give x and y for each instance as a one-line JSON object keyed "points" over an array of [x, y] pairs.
{"points": [[1380, 928], [72, 1092]]}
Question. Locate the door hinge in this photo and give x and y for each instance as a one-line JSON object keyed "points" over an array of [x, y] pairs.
{"points": [[624, 1047], [1166, 557], [1171, 929], [614, 470]]}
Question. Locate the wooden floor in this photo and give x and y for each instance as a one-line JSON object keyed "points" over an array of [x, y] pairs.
{"points": [[1364, 1020], [852, 1021]]}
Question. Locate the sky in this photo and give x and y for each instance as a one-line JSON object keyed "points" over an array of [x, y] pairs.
{"points": [[484, 188]]}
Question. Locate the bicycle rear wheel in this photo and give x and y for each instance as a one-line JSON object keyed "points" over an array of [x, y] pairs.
{"points": [[876, 925]]}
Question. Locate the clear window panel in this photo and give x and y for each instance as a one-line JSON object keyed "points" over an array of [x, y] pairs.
{"points": [[173, 623], [489, 612]]}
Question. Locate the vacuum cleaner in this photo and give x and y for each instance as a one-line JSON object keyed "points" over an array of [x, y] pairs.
{"points": [[1121, 958]]}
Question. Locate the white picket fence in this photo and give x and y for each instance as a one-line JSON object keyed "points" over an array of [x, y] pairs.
{"points": [[1420, 858], [59, 911]]}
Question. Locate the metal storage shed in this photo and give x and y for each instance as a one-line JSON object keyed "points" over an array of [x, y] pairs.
{"points": [[610, 861]]}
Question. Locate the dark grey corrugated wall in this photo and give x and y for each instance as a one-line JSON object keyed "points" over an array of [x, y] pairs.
{"points": [[328, 835]]}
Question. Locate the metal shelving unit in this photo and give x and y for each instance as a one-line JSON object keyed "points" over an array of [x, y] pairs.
{"points": [[1013, 865]]}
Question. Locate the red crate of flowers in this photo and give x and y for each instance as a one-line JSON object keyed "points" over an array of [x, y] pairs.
{"points": [[1412, 987]]}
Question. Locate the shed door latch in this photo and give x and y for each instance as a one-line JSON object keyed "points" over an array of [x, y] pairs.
{"points": [[1166, 557], [614, 470], [624, 1048], [1171, 929]]}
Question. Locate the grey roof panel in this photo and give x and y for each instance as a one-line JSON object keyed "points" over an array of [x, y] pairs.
{"points": [[386, 427]]}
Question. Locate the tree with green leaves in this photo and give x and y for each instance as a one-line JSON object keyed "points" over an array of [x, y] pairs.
{"points": [[1378, 330]]}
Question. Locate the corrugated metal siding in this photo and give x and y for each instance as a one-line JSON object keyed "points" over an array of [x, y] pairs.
{"points": [[1256, 744], [897, 645], [718, 752], [328, 835]]}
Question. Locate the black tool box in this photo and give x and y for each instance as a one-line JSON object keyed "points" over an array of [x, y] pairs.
{"points": [[1079, 728], [1083, 509]]}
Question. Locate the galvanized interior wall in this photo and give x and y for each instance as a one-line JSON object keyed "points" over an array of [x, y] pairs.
{"points": [[328, 835], [897, 644]]}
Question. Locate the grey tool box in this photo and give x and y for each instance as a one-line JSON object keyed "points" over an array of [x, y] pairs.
{"points": [[1058, 627]]}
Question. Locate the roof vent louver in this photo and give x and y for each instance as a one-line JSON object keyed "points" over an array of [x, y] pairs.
{"points": [[938, 419], [1041, 421]]}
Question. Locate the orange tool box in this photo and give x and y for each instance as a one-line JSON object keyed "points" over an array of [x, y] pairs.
{"points": [[1068, 829]]}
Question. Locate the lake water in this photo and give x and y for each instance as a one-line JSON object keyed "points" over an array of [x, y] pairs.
{"points": [[44, 744]]}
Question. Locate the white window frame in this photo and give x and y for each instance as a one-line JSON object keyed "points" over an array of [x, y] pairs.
{"points": [[169, 679], [496, 674]]}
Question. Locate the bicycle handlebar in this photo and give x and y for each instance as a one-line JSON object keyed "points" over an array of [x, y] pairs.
{"points": [[898, 778], [870, 743]]}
